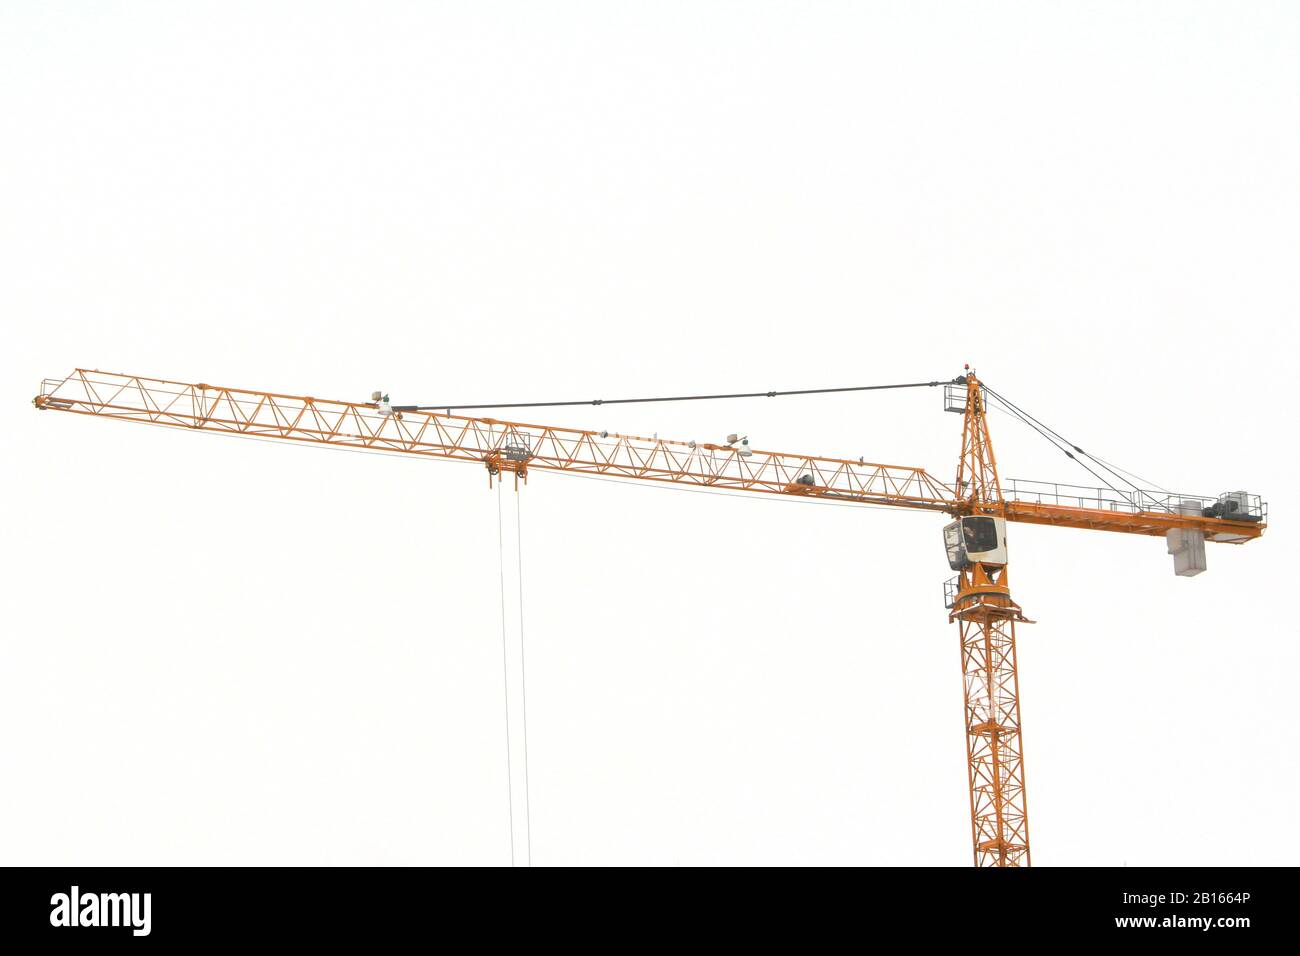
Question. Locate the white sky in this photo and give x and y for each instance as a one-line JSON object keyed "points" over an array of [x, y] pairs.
{"points": [[218, 651]]}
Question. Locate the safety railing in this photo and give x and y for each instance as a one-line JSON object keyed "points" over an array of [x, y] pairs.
{"points": [[1236, 506]]}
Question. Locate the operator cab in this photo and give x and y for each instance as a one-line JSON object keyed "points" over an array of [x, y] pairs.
{"points": [[976, 539]]}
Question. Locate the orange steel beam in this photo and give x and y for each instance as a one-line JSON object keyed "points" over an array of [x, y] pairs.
{"points": [[1136, 522], [986, 619], [361, 425], [501, 446]]}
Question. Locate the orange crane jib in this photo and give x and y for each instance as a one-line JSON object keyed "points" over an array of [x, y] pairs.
{"points": [[978, 599]]}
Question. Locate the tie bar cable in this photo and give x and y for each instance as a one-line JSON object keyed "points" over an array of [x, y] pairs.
{"points": [[667, 398]]}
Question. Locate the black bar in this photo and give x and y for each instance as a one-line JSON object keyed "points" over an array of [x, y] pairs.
{"points": [[376, 907]]}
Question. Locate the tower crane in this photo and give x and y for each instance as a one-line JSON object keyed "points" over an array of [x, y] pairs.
{"points": [[978, 502]]}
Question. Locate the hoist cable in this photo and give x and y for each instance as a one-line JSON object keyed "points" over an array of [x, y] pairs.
{"points": [[667, 398], [505, 677], [523, 678]]}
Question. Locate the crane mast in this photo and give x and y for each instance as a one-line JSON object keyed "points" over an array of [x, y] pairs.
{"points": [[986, 618], [979, 598]]}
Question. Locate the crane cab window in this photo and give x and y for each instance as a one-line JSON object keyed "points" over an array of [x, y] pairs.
{"points": [[979, 535], [952, 544], [978, 538]]}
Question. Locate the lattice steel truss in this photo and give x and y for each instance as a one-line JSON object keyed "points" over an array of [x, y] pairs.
{"points": [[986, 625], [501, 446], [980, 601]]}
